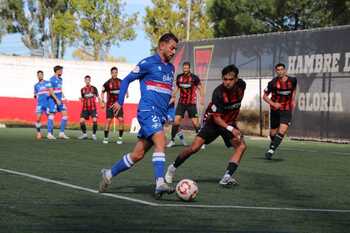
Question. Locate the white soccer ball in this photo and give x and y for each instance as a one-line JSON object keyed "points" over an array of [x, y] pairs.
{"points": [[187, 190]]}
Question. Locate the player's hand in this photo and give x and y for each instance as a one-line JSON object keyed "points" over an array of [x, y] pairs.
{"points": [[172, 100], [277, 105], [58, 102], [293, 104], [116, 107], [236, 133], [103, 104], [201, 101]]}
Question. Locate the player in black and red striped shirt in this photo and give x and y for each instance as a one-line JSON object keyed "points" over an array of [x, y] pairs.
{"points": [[282, 102], [188, 84], [89, 94], [220, 120], [112, 88]]}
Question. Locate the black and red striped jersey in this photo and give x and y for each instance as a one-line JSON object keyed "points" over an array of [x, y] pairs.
{"points": [[88, 96], [226, 103], [188, 85], [282, 92], [112, 87]]}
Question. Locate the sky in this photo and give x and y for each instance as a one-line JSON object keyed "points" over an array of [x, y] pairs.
{"points": [[133, 51]]}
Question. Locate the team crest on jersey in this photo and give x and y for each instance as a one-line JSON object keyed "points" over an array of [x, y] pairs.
{"points": [[159, 68], [214, 108]]}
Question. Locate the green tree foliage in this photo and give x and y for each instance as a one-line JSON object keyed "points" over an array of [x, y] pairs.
{"points": [[101, 25], [241, 17], [171, 15], [46, 26]]}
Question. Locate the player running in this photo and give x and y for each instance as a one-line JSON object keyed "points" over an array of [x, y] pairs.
{"points": [[282, 102], [188, 84], [220, 120], [41, 94], [112, 88], [56, 104], [89, 94], [156, 75]]}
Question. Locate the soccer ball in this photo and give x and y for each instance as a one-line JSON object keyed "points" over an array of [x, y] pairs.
{"points": [[187, 190]]}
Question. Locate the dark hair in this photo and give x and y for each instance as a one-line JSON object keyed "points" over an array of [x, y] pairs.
{"points": [[230, 68], [280, 64], [168, 37], [39, 71], [114, 68], [186, 63], [56, 68], [87, 76]]}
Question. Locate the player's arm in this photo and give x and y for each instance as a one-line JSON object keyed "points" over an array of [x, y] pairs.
{"points": [[294, 93], [81, 95], [52, 94], [200, 87], [104, 89], [97, 96], [266, 97], [35, 93]]}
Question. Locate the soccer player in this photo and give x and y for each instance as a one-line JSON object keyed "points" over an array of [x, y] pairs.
{"points": [[89, 94], [170, 121], [56, 104], [41, 94], [112, 88], [282, 102], [220, 120], [156, 75], [188, 84]]}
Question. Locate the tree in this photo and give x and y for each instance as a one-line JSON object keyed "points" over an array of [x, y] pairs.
{"points": [[241, 17], [46, 26], [171, 15], [102, 25]]}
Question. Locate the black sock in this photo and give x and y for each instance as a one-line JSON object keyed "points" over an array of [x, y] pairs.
{"points": [[179, 161], [272, 137], [94, 127], [174, 130], [121, 131], [197, 129], [106, 133], [276, 141], [231, 168], [83, 127]]}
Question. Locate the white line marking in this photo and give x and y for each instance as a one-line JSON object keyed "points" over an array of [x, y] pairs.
{"points": [[170, 205]]}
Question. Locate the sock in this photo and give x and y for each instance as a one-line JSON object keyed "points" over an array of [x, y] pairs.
{"points": [[50, 124], [37, 126], [197, 129], [231, 168], [63, 123], [179, 160], [121, 131], [94, 127], [272, 137], [106, 133], [174, 130], [83, 127], [122, 165], [158, 160], [181, 136], [276, 141]]}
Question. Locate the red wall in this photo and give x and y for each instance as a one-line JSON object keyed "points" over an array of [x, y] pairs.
{"points": [[23, 110]]}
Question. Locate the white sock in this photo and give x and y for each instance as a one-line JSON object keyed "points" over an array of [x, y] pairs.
{"points": [[159, 181], [172, 168], [109, 174]]}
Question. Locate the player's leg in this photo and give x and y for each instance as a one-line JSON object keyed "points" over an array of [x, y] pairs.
{"points": [[193, 114], [240, 147], [181, 137], [38, 125], [120, 117], [175, 126], [109, 117], [83, 116], [125, 163], [64, 121], [282, 130], [274, 125], [205, 136], [50, 119], [94, 125]]}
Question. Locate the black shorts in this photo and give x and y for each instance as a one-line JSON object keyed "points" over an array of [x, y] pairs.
{"points": [[190, 108], [86, 114], [278, 117], [110, 113], [210, 131]]}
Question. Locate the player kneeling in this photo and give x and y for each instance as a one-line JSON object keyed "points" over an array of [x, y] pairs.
{"points": [[220, 120]]}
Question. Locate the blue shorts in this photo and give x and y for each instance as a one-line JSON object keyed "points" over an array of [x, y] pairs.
{"points": [[53, 107], [171, 115], [150, 123], [41, 108]]}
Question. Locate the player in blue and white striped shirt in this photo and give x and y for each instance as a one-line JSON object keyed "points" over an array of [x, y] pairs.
{"points": [[156, 75]]}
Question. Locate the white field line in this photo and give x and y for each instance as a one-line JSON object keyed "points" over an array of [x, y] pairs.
{"points": [[170, 205]]}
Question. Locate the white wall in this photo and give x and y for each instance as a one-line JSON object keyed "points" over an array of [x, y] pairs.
{"points": [[18, 76]]}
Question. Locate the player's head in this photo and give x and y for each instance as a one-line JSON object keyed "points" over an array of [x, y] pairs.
{"points": [[280, 69], [87, 79], [229, 76], [58, 70], [114, 72], [40, 75], [186, 67], [167, 46]]}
